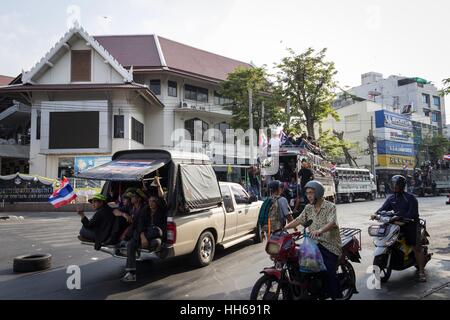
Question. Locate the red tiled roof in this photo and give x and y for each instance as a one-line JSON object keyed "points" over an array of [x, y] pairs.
{"points": [[4, 80], [141, 52]]}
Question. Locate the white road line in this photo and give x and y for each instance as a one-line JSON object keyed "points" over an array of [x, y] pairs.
{"points": [[67, 244]]}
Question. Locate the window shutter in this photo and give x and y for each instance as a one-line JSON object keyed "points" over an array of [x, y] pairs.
{"points": [[81, 65]]}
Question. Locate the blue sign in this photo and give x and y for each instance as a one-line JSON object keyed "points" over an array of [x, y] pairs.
{"points": [[386, 119], [84, 163], [398, 148]]}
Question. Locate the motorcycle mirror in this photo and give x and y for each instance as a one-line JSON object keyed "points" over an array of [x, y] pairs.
{"points": [[308, 223]]}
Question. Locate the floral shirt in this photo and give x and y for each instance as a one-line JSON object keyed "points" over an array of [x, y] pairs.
{"points": [[331, 239]]}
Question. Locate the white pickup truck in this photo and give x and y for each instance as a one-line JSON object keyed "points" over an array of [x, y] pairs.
{"points": [[202, 213]]}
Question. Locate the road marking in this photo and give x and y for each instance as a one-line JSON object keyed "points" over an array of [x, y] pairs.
{"points": [[67, 244]]}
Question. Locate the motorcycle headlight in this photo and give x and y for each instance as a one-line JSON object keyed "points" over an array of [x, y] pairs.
{"points": [[273, 248], [373, 231]]}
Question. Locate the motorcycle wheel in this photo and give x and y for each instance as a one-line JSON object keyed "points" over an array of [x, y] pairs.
{"points": [[268, 288], [385, 273], [347, 280]]}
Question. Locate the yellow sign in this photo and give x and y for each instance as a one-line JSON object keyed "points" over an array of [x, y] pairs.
{"points": [[395, 161]]}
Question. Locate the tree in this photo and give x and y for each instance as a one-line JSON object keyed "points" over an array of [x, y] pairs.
{"points": [[336, 149], [307, 81], [446, 89], [236, 88], [435, 147]]}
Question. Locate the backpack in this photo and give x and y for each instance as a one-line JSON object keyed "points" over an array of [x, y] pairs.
{"points": [[269, 216]]}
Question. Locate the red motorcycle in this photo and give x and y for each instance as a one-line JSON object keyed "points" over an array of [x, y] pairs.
{"points": [[284, 281]]}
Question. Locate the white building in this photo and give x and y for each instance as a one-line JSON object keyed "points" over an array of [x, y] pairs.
{"points": [[92, 96], [407, 95]]}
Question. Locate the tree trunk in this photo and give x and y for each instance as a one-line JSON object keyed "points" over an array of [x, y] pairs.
{"points": [[348, 156], [310, 128]]}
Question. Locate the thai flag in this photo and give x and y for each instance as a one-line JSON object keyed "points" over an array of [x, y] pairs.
{"points": [[63, 195]]}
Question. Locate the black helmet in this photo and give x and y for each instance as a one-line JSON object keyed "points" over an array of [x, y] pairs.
{"points": [[398, 180], [318, 188], [275, 185]]}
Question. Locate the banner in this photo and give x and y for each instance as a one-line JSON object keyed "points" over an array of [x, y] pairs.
{"points": [[396, 162], [84, 163], [386, 119], [22, 188], [391, 147], [395, 135]]}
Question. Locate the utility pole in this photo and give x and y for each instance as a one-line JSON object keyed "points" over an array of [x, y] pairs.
{"points": [[371, 142], [250, 122], [262, 114]]}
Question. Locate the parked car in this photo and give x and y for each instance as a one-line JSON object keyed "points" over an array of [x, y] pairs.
{"points": [[202, 212]]}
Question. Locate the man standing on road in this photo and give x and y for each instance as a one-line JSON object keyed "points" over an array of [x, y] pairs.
{"points": [[405, 205], [279, 211]]}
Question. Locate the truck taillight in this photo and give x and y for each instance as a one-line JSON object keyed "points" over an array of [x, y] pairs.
{"points": [[171, 232]]}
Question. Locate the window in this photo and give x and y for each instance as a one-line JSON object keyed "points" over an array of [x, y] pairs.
{"points": [[80, 65], [195, 93], [66, 167], [190, 126], [84, 127], [221, 100], [437, 101], [240, 195], [119, 123], [222, 127], [434, 117], [155, 86], [137, 131], [426, 99], [172, 89], [227, 200], [38, 125], [427, 113]]}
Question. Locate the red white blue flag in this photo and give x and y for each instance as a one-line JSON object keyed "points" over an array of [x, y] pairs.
{"points": [[62, 195]]}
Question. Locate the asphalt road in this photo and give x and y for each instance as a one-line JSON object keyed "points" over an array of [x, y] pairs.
{"points": [[230, 276]]}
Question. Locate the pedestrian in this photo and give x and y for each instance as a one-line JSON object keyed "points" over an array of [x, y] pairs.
{"points": [[382, 189]]}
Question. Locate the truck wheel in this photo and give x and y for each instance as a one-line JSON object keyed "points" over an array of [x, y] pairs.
{"points": [[204, 250], [258, 237], [31, 263]]}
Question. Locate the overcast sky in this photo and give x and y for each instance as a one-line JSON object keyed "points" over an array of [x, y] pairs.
{"points": [[410, 38]]}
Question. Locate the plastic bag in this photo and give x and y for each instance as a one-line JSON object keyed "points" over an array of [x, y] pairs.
{"points": [[310, 258]]}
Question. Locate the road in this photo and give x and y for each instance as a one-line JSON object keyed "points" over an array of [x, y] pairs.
{"points": [[230, 276]]}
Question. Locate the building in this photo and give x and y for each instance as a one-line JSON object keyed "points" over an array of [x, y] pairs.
{"points": [[411, 96], [15, 121], [394, 149], [92, 96]]}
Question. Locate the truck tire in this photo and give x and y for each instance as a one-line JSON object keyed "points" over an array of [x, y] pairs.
{"points": [[31, 263], [204, 250]]}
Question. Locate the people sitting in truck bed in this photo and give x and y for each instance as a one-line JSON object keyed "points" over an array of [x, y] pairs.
{"points": [[98, 228], [149, 231], [122, 218]]}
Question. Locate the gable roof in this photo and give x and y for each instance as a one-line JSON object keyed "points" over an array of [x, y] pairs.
{"points": [[5, 80], [62, 44], [149, 52]]}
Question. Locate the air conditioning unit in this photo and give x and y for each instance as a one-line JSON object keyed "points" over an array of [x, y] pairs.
{"points": [[183, 105]]}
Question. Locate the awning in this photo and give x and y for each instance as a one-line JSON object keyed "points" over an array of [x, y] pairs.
{"points": [[123, 170]]}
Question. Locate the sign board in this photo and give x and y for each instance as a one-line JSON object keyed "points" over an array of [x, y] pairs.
{"points": [[391, 147], [394, 135], [85, 163], [386, 119], [21, 188], [396, 161]]}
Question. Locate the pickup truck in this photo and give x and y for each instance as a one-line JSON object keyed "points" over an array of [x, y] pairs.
{"points": [[202, 212]]}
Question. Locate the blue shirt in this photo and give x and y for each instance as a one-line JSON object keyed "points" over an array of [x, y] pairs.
{"points": [[404, 204]]}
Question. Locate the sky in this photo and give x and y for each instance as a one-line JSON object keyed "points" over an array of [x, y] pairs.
{"points": [[410, 38]]}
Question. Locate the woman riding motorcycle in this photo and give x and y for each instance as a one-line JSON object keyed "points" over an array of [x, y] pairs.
{"points": [[324, 229]]}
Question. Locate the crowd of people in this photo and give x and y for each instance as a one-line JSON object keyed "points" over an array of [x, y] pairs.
{"points": [[136, 219], [303, 141]]}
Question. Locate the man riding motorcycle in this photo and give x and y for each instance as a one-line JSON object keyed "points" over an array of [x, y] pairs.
{"points": [[405, 205], [324, 229]]}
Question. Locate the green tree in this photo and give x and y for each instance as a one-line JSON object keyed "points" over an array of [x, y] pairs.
{"points": [[336, 149], [307, 81], [236, 88], [435, 147], [446, 89]]}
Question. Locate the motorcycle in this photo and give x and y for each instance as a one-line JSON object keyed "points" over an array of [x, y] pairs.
{"points": [[285, 281], [391, 251]]}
